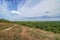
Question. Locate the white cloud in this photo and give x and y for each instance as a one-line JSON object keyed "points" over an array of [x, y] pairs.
{"points": [[16, 12]]}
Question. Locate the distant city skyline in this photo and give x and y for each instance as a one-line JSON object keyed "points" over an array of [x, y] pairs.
{"points": [[30, 9]]}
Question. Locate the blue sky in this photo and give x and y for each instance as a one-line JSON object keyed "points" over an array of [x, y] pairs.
{"points": [[21, 9]]}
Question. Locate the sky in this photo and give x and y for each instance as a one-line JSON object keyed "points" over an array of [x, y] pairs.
{"points": [[25, 9]]}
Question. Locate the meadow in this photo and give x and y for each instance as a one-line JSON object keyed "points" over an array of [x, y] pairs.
{"points": [[29, 30], [52, 26]]}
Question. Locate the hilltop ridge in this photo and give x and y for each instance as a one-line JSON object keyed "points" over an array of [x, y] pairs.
{"points": [[18, 32]]}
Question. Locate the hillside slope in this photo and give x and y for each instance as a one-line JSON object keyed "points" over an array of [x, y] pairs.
{"points": [[11, 31]]}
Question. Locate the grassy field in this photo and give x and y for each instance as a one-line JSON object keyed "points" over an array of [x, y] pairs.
{"points": [[53, 26], [29, 30]]}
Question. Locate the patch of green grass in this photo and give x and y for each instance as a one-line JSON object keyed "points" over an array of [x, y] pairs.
{"points": [[3, 27], [53, 26], [57, 38], [4, 20]]}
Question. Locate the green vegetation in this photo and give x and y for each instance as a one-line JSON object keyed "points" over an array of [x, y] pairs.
{"points": [[53, 26], [19, 32], [3, 27], [3, 20], [57, 38]]}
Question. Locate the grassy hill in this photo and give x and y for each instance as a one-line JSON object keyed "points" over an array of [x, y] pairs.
{"points": [[15, 31], [4, 20]]}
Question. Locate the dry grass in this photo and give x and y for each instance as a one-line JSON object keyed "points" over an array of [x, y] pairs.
{"points": [[19, 32]]}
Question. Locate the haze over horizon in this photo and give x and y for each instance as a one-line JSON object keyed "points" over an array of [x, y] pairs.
{"points": [[30, 10]]}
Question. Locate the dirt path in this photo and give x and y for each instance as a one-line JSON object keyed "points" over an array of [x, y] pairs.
{"points": [[26, 33], [10, 28]]}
